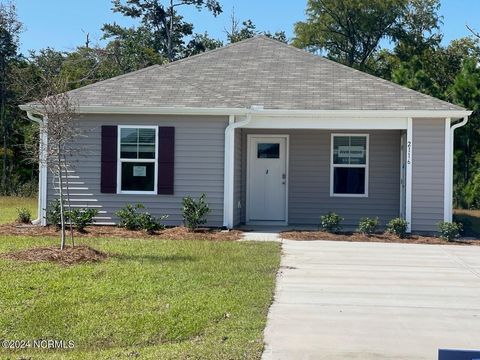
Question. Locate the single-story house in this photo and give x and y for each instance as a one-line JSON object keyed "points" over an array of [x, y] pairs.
{"points": [[270, 133]]}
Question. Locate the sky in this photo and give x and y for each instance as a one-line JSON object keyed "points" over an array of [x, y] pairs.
{"points": [[62, 24]]}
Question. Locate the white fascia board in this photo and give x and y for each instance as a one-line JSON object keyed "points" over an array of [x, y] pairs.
{"points": [[267, 112], [327, 123]]}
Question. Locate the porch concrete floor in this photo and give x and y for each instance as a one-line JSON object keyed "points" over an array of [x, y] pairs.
{"points": [[341, 300]]}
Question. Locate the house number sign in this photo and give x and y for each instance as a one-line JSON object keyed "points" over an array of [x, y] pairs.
{"points": [[409, 153]]}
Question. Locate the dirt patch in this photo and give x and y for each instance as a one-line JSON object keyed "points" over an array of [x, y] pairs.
{"points": [[385, 238], [68, 256], [176, 233]]}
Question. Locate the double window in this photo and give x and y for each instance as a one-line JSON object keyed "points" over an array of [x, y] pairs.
{"points": [[137, 160], [349, 165]]}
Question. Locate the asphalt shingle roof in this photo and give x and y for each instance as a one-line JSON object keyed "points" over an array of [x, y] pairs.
{"points": [[257, 71]]}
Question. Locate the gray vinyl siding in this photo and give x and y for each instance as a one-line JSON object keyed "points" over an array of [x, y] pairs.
{"points": [[237, 195], [309, 178], [199, 162], [428, 156]]}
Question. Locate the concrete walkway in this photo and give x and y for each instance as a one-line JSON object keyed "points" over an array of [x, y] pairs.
{"points": [[341, 300]]}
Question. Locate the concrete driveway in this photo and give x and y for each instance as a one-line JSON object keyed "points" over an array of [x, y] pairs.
{"points": [[341, 300]]}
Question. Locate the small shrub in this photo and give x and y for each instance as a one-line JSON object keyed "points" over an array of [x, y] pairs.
{"points": [[195, 212], [149, 223], [53, 213], [331, 222], [24, 216], [449, 230], [132, 219], [130, 216], [368, 226], [81, 218], [398, 227]]}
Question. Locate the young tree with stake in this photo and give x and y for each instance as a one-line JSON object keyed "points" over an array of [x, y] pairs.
{"points": [[58, 132]]}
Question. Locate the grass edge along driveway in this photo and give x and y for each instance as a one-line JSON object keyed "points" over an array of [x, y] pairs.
{"points": [[150, 299]]}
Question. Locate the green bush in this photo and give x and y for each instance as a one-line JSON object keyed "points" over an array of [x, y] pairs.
{"points": [[53, 216], [149, 223], [81, 218], [449, 230], [331, 222], [130, 216], [24, 216], [195, 212], [368, 226], [133, 219], [398, 227]]}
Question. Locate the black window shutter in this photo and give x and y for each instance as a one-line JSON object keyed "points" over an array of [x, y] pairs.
{"points": [[108, 183], [166, 160]]}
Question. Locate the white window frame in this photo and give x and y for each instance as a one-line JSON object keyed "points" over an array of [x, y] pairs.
{"points": [[120, 161], [365, 166]]}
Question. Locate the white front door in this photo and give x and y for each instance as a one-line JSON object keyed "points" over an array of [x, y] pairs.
{"points": [[267, 178]]}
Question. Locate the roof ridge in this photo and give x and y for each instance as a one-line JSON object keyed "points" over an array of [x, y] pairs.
{"points": [[363, 73]]}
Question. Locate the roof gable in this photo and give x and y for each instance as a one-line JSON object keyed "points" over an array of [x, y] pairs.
{"points": [[257, 71]]}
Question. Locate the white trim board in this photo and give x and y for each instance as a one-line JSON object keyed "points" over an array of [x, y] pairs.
{"points": [[447, 204], [408, 173], [225, 111]]}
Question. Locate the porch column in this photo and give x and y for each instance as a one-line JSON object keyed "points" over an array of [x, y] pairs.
{"points": [[448, 177], [229, 167], [43, 172], [229, 175], [408, 175]]}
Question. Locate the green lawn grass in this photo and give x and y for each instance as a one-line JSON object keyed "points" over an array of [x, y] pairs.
{"points": [[10, 204], [156, 299], [470, 220]]}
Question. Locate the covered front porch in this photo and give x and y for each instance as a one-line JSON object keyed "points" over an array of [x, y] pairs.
{"points": [[291, 177], [289, 172]]}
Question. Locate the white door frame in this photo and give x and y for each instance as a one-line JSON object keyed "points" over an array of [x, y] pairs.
{"points": [[287, 154]]}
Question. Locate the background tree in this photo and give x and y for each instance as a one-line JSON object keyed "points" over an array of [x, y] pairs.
{"points": [[201, 43], [418, 28], [249, 30], [165, 28], [10, 29], [349, 31], [466, 92]]}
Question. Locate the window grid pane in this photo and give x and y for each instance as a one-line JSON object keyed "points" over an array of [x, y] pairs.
{"points": [[138, 176], [268, 151], [349, 150], [137, 143], [348, 180]]}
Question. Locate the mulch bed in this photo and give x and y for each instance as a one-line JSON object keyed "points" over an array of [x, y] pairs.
{"points": [[176, 233], [68, 256], [385, 238]]}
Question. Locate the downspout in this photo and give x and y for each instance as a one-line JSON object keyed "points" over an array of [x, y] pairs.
{"points": [[42, 173], [229, 166], [451, 152]]}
